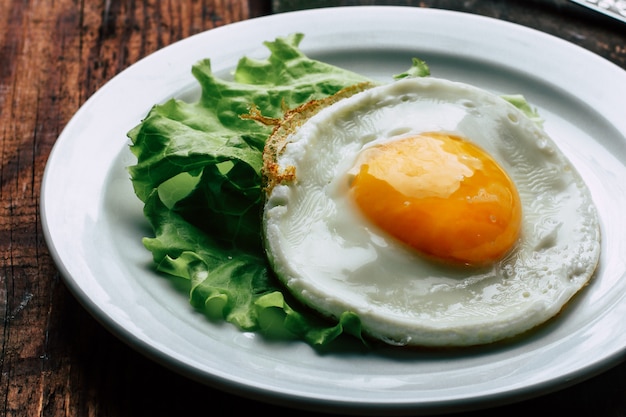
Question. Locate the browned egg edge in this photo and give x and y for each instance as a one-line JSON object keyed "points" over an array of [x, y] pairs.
{"points": [[272, 173]]}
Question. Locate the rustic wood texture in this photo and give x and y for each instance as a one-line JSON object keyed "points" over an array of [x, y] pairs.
{"points": [[55, 359]]}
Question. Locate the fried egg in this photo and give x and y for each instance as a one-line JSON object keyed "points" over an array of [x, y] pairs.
{"points": [[436, 211]]}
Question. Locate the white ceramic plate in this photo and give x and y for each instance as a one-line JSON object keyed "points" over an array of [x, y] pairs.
{"points": [[94, 224]]}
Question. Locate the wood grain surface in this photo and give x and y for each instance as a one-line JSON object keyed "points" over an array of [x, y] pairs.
{"points": [[55, 359]]}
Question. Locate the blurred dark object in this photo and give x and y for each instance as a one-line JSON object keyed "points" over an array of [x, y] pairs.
{"points": [[612, 8]]}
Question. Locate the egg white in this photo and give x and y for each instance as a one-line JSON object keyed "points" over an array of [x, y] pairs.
{"points": [[333, 260]]}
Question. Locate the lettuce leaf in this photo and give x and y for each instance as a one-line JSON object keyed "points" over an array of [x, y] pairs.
{"points": [[198, 174], [522, 104]]}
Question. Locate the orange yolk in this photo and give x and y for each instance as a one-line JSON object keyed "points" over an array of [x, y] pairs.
{"points": [[441, 195]]}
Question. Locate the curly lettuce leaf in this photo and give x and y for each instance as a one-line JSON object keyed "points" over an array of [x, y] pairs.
{"points": [[232, 284], [522, 104], [419, 68], [177, 136], [198, 174]]}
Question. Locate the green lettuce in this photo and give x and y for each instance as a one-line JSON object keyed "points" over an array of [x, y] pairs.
{"points": [[522, 104], [198, 174]]}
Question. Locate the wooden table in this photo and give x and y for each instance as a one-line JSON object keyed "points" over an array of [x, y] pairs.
{"points": [[55, 359]]}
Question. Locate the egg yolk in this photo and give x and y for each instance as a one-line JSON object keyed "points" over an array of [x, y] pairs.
{"points": [[441, 195]]}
